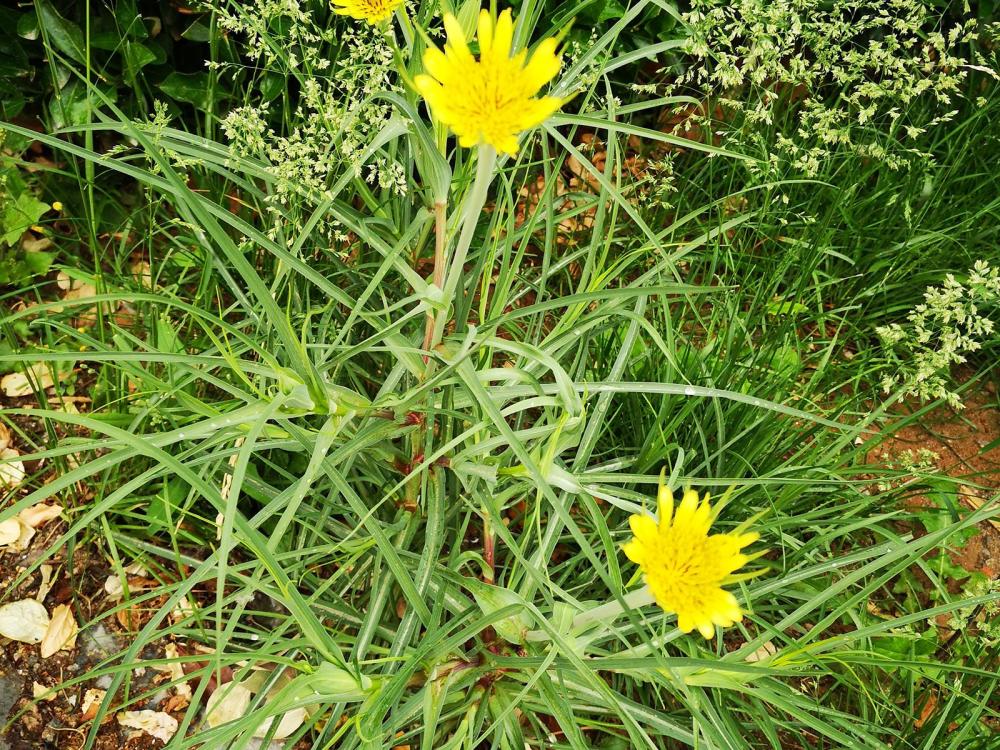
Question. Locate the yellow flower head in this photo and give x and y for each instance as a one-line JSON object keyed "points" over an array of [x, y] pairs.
{"points": [[492, 99], [372, 11], [684, 566]]}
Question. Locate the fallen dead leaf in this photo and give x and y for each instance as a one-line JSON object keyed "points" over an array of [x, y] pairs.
{"points": [[46, 584], [158, 724], [11, 470], [288, 722], [19, 384], [228, 703], [39, 514], [61, 633], [142, 273], [174, 670], [970, 498], [10, 531], [41, 692], [27, 534], [113, 588], [182, 611], [25, 621], [92, 700], [131, 618], [927, 711], [31, 245], [25, 523], [79, 289], [4, 436], [113, 584], [764, 652]]}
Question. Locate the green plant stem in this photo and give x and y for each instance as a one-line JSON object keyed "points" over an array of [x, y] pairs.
{"points": [[440, 246], [450, 282], [606, 613], [472, 208]]}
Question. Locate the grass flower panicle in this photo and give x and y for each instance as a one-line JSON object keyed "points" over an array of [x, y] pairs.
{"points": [[372, 11], [490, 100], [684, 566]]}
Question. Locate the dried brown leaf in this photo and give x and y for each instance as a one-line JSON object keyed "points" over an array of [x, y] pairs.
{"points": [[25, 621], [40, 514], [11, 470], [61, 633]]}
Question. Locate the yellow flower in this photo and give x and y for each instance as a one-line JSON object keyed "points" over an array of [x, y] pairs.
{"points": [[492, 99], [684, 566], [372, 11]]}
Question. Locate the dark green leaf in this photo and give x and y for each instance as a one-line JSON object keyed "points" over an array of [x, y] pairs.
{"points": [[27, 26], [193, 88], [137, 56], [130, 24], [20, 214], [38, 263], [65, 35], [76, 103], [271, 85], [197, 32]]}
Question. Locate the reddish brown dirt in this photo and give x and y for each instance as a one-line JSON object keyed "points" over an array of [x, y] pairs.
{"points": [[966, 444]]}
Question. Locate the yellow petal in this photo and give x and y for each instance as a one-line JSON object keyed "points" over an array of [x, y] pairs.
{"points": [[436, 64], [634, 551], [537, 111], [542, 67], [431, 91], [732, 601], [485, 33], [643, 527], [665, 504], [701, 520], [456, 37], [707, 629], [724, 610], [507, 145], [424, 83], [685, 512], [503, 35]]}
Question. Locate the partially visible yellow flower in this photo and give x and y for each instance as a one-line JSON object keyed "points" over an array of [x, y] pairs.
{"points": [[685, 567], [372, 11], [492, 99]]}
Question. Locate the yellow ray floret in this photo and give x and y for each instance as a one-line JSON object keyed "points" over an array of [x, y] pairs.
{"points": [[684, 566], [372, 11], [492, 99]]}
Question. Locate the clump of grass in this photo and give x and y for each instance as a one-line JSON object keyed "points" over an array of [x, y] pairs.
{"points": [[844, 76]]}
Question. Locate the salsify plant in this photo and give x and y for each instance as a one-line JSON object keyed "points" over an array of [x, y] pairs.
{"points": [[395, 478], [685, 567]]}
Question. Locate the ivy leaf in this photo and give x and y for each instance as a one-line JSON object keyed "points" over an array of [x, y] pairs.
{"points": [[137, 56], [38, 263], [193, 88], [66, 36], [76, 103], [20, 214]]}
